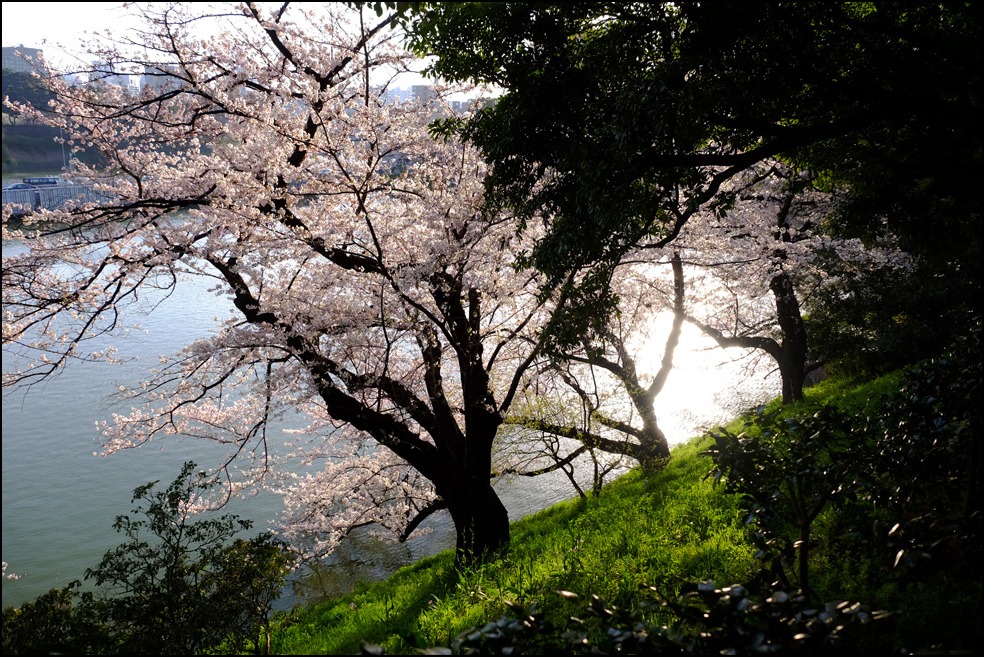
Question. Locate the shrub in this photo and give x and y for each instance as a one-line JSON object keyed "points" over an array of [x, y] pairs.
{"points": [[185, 592]]}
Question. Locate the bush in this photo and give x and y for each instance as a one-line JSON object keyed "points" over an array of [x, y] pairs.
{"points": [[186, 592], [54, 625]]}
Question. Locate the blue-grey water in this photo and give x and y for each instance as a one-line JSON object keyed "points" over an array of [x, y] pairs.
{"points": [[60, 500]]}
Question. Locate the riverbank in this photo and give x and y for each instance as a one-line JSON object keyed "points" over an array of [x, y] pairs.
{"points": [[36, 150], [33, 149]]}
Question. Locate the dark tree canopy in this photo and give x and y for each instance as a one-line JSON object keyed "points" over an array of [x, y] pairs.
{"points": [[620, 119]]}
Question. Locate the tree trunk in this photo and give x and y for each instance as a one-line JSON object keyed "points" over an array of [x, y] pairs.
{"points": [[792, 359], [481, 522], [653, 452]]}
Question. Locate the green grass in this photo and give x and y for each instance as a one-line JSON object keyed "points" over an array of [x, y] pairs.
{"points": [[660, 531], [638, 532]]}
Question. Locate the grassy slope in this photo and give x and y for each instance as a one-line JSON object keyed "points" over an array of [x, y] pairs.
{"points": [[672, 527], [637, 532]]}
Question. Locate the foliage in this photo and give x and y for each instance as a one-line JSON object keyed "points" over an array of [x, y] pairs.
{"points": [[187, 591], [56, 622], [902, 481], [708, 621], [925, 462], [865, 321], [913, 176], [570, 111], [911, 465], [786, 469], [23, 87], [175, 587], [917, 177]]}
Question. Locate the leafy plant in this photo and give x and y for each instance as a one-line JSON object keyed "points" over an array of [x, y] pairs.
{"points": [[53, 624], [707, 620], [787, 469], [174, 587], [927, 457]]}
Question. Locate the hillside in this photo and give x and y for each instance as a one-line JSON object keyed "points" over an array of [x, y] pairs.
{"points": [[619, 561], [32, 148]]}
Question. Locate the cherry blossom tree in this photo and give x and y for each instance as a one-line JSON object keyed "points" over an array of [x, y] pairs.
{"points": [[606, 396], [760, 256], [371, 289], [754, 259]]}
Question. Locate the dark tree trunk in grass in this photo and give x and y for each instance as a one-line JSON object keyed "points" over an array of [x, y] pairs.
{"points": [[481, 521], [791, 354]]}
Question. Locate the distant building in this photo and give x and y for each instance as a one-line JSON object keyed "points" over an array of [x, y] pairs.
{"points": [[397, 95], [160, 78], [422, 92], [21, 59], [104, 72], [418, 92]]}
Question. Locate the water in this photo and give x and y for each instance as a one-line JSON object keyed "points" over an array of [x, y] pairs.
{"points": [[60, 501]]}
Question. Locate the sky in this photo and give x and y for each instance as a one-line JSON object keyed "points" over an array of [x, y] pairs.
{"points": [[57, 28]]}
